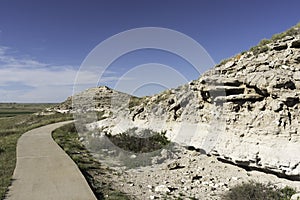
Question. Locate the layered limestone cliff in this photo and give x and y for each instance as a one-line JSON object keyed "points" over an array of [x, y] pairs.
{"points": [[244, 110]]}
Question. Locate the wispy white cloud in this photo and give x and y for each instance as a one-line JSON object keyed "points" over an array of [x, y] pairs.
{"points": [[28, 80], [9, 60]]}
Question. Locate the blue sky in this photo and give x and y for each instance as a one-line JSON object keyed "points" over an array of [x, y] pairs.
{"points": [[44, 42]]}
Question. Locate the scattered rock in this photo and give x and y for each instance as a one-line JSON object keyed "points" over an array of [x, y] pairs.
{"points": [[174, 165], [162, 189], [197, 177], [152, 197], [276, 105], [215, 179], [229, 64]]}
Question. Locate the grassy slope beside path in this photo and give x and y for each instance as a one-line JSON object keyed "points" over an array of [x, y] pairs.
{"points": [[10, 131], [97, 176]]}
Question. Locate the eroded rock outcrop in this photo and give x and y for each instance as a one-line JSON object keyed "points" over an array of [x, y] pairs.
{"points": [[245, 110]]}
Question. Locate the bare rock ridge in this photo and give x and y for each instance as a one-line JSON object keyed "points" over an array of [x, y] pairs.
{"points": [[244, 111]]}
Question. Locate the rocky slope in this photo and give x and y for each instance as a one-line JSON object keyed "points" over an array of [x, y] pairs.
{"points": [[244, 111], [191, 175]]}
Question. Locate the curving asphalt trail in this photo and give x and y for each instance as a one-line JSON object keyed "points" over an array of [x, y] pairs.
{"points": [[44, 171]]}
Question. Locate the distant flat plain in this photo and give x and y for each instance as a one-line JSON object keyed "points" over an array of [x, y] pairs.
{"points": [[13, 109]]}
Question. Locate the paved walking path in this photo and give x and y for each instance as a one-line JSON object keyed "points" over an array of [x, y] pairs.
{"points": [[44, 171]]}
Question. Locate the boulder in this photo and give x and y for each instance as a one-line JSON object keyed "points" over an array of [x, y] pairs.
{"points": [[162, 189]]}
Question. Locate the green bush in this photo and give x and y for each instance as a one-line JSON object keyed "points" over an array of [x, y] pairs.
{"points": [[259, 49], [264, 42], [258, 191], [263, 49], [143, 142]]}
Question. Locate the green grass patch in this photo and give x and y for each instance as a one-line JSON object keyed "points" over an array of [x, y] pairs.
{"points": [[97, 175], [259, 191], [10, 131]]}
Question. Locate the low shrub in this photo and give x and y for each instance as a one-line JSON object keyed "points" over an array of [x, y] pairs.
{"points": [[142, 142], [264, 42], [259, 49], [258, 191], [291, 32]]}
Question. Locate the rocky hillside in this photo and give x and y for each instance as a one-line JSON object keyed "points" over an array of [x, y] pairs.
{"points": [[244, 111]]}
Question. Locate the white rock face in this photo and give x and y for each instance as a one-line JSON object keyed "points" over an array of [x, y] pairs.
{"points": [[295, 196], [245, 111]]}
